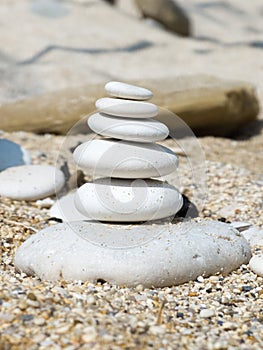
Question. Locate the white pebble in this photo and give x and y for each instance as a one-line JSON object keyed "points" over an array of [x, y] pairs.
{"points": [[30, 182], [140, 130], [200, 279], [207, 313], [45, 203], [128, 200], [124, 159], [254, 236], [122, 90], [256, 264], [157, 330], [126, 108], [89, 334]]}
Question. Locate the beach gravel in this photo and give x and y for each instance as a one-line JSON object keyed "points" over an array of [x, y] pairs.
{"points": [[219, 312]]}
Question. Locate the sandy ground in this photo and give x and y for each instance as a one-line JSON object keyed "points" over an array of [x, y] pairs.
{"points": [[220, 312]]}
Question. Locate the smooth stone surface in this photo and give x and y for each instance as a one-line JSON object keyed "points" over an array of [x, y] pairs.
{"points": [[254, 236], [168, 13], [256, 264], [152, 255], [128, 200], [140, 130], [126, 108], [64, 208], [30, 182], [122, 90], [12, 154], [206, 104], [66, 79], [125, 159]]}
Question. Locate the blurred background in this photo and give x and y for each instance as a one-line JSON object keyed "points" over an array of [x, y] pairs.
{"points": [[202, 58]]}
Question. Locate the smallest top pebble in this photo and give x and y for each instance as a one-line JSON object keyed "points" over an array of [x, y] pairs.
{"points": [[132, 92]]}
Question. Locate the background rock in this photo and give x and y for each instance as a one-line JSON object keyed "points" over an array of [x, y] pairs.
{"points": [[168, 13], [12, 154], [207, 104], [90, 42]]}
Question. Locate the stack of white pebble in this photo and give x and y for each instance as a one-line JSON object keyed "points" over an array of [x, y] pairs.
{"points": [[126, 160], [114, 245]]}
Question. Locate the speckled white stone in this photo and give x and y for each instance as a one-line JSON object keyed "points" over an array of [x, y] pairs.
{"points": [[126, 108], [124, 159], [140, 130], [122, 90], [12, 154], [64, 208], [152, 255], [117, 200], [30, 182], [256, 264]]}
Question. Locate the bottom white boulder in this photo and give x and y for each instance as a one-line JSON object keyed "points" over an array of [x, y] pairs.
{"points": [[159, 254]]}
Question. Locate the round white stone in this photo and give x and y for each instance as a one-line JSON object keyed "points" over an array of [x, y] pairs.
{"points": [[140, 130], [12, 154], [125, 159], [152, 255], [30, 182], [122, 90], [64, 208], [126, 108], [256, 264], [128, 200]]}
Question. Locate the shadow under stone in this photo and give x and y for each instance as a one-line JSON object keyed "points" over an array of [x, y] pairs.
{"points": [[188, 210]]}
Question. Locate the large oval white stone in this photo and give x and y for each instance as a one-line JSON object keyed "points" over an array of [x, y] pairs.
{"points": [[140, 130], [30, 182], [125, 159], [126, 108], [122, 90], [12, 154], [128, 200], [152, 255]]}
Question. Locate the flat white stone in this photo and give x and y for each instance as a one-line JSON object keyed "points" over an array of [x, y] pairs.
{"points": [[124, 159], [128, 200], [122, 90], [126, 108], [64, 208], [152, 255], [256, 264], [207, 313], [140, 130], [45, 203], [30, 182], [12, 154]]}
